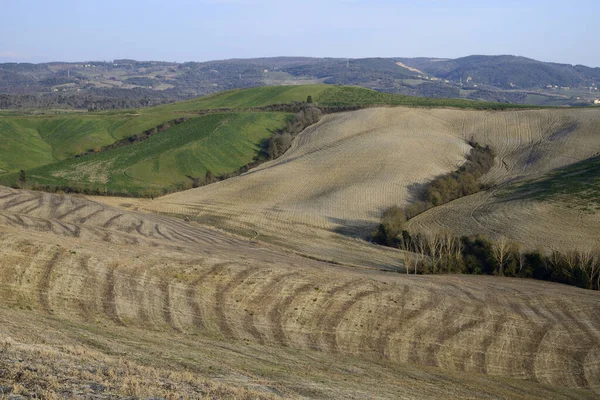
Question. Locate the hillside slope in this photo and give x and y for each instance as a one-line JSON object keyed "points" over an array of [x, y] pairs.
{"points": [[46, 146], [341, 173], [561, 211], [221, 143], [29, 141], [95, 275], [506, 72]]}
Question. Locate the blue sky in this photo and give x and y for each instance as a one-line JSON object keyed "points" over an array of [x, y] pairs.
{"points": [[186, 30]]}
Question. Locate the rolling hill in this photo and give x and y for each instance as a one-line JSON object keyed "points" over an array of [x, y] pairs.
{"points": [[135, 84], [557, 211], [343, 172], [150, 304], [262, 285], [45, 145], [506, 72], [221, 143], [29, 141]]}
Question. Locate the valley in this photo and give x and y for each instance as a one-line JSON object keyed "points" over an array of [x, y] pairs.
{"points": [[265, 284]]}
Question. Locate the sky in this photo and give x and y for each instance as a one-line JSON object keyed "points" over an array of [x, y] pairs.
{"points": [[201, 30]]}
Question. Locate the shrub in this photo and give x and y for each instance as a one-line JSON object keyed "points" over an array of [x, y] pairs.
{"points": [[391, 227]]}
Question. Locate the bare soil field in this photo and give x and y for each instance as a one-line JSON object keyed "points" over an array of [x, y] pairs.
{"points": [[341, 173], [540, 225], [158, 294]]}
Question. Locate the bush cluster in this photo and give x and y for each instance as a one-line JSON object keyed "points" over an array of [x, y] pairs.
{"points": [[463, 182]]}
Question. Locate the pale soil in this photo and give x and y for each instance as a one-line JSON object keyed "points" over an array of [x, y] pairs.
{"points": [[54, 359], [410, 68], [341, 173], [78, 262], [543, 226]]}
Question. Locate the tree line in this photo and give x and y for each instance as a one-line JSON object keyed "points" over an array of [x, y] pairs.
{"points": [[463, 182], [443, 253]]}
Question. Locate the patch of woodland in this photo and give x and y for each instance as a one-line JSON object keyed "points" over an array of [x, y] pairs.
{"points": [[441, 190]]}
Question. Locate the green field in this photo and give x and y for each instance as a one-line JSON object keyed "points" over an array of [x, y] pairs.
{"points": [[31, 141], [326, 95], [221, 143], [249, 98], [45, 144], [575, 186]]}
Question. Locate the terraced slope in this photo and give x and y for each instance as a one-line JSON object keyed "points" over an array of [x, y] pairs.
{"points": [[84, 267], [341, 173]]}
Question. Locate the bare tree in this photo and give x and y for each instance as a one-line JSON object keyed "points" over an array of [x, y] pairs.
{"points": [[434, 244], [447, 249], [517, 250], [420, 245], [500, 251], [571, 261], [406, 258], [590, 264]]}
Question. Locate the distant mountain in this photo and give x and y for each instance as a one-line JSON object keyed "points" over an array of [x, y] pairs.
{"points": [[129, 83], [507, 72]]}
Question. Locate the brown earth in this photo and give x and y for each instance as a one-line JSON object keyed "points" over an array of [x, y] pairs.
{"points": [[173, 296]]}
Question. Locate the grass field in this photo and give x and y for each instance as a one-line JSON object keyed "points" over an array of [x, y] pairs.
{"points": [[45, 145], [327, 95], [249, 98], [30, 141], [221, 143]]}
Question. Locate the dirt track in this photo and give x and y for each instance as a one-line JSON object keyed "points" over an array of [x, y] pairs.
{"points": [[75, 259]]}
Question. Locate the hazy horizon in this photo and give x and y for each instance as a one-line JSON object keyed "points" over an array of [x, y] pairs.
{"points": [[185, 30]]}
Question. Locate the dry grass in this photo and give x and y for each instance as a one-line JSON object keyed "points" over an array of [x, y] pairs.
{"points": [[56, 372], [540, 225]]}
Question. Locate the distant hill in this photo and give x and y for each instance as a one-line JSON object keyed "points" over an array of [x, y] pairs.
{"points": [[507, 72], [132, 84]]}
